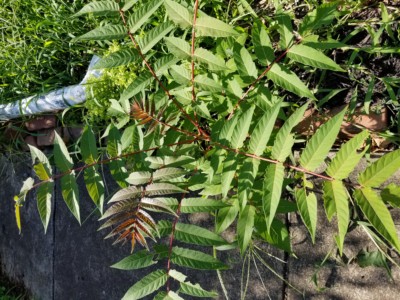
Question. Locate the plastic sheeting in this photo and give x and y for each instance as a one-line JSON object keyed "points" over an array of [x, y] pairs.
{"points": [[52, 101]]}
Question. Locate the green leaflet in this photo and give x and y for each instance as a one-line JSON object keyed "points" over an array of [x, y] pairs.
{"points": [[195, 259], [336, 202], [180, 74], [139, 84], [377, 214], [208, 26], [166, 174], [214, 63], [247, 176], [262, 43], [285, 30], [311, 57], [147, 285], [347, 158], [179, 14], [142, 15], [116, 59], [262, 132], [193, 205], [288, 80], [43, 168], [226, 216], [191, 234], [272, 188], [307, 204], [207, 84], [241, 129], [322, 16], [44, 193], [95, 186], [126, 193], [152, 37], [69, 188], [70, 193], [128, 4], [99, 8], [321, 142], [277, 235], [380, 170], [162, 189], [245, 227], [138, 260], [164, 63], [105, 33], [246, 67], [226, 132], [88, 146], [117, 166], [61, 156], [178, 47], [195, 290], [20, 199], [391, 194], [284, 140], [229, 169], [167, 296]]}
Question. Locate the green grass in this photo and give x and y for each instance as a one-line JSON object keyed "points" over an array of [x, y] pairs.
{"points": [[36, 53]]}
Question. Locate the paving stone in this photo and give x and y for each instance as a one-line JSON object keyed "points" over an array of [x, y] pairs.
{"points": [[41, 122]]}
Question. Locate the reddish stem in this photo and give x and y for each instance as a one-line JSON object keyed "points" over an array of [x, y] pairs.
{"points": [[151, 70], [196, 6], [273, 161]]}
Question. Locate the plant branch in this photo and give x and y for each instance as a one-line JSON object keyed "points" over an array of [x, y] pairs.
{"points": [[105, 161], [251, 87], [153, 73], [273, 161]]}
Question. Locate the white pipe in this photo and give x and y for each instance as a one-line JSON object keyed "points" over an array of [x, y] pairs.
{"points": [[52, 101]]}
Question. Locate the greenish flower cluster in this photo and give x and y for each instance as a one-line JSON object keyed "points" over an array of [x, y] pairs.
{"points": [[108, 86]]}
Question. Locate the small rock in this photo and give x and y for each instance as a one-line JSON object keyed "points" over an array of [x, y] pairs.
{"points": [[42, 122], [46, 137], [30, 140]]}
